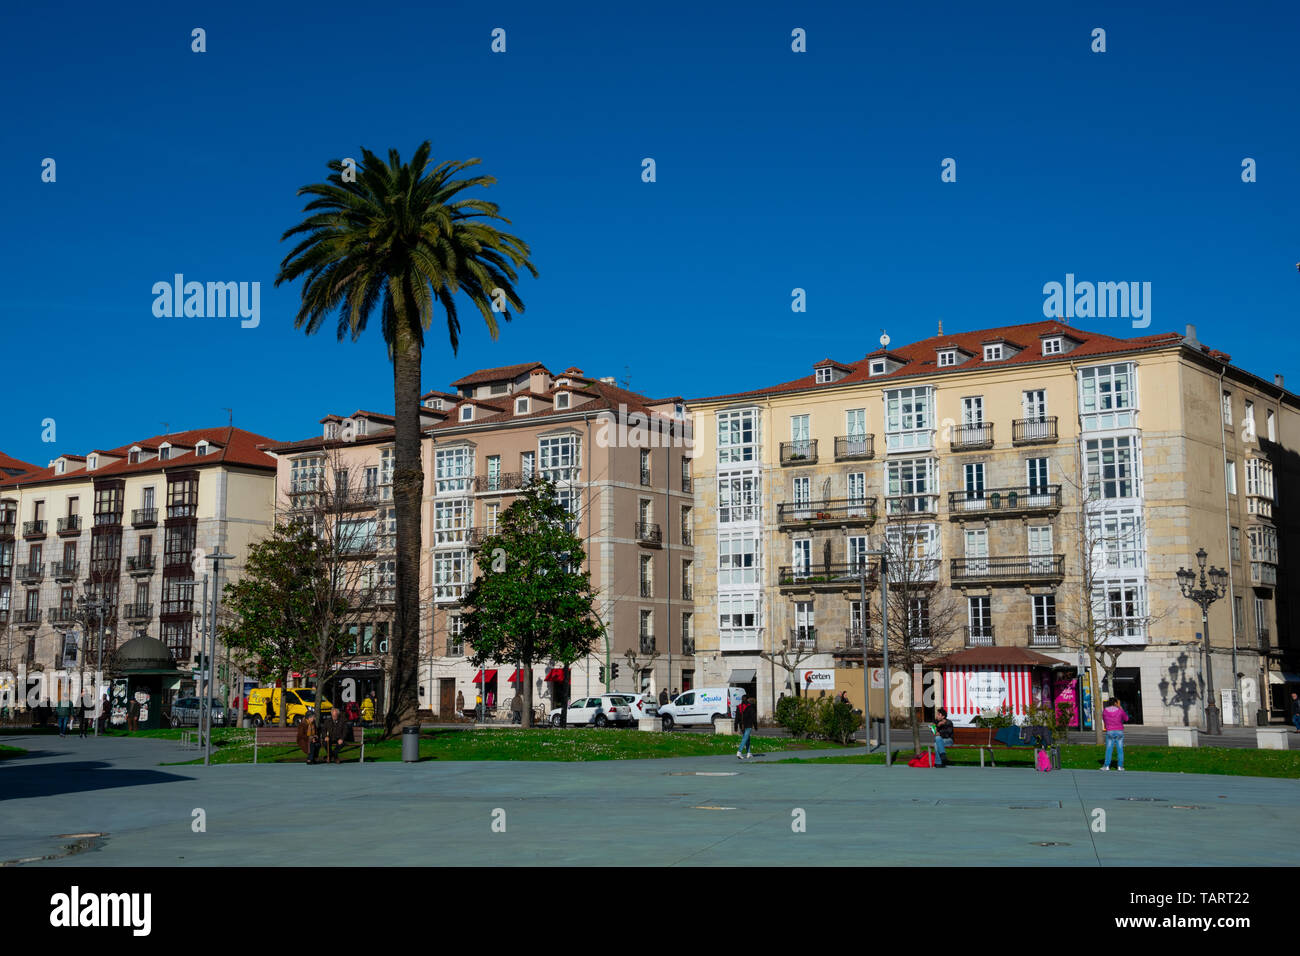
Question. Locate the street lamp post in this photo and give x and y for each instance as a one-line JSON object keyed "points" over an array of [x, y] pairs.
{"points": [[883, 554], [96, 606], [1206, 592], [210, 645]]}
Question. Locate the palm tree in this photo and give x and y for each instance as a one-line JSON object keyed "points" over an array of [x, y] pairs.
{"points": [[401, 238]]}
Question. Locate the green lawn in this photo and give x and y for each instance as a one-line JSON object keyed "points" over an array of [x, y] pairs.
{"points": [[11, 751], [1231, 761], [236, 746]]}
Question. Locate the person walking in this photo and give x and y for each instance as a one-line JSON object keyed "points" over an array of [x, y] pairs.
{"points": [[133, 715], [663, 696], [103, 713], [943, 733], [63, 711], [748, 715], [368, 710], [1293, 705], [1113, 719], [460, 703], [517, 709]]}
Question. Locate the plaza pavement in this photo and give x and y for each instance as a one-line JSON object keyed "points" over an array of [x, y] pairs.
{"points": [[667, 812]]}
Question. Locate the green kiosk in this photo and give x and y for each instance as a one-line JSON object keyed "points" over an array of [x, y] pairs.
{"points": [[145, 670]]}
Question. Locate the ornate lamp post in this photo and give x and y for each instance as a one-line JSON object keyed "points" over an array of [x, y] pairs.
{"points": [[96, 607], [1206, 593]]}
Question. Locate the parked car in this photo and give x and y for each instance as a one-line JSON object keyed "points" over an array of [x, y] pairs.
{"points": [[641, 705], [297, 701], [600, 711], [186, 712], [701, 705]]}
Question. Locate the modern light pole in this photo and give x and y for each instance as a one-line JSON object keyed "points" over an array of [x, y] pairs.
{"points": [[1206, 593], [210, 645], [96, 607], [863, 569]]}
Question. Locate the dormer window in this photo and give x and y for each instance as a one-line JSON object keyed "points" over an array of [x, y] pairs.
{"points": [[993, 353], [562, 400], [947, 358], [878, 367], [823, 374], [201, 448], [133, 456], [561, 381], [331, 430], [521, 406], [467, 413], [1053, 346], [92, 462], [679, 410], [164, 452], [434, 403], [361, 425], [59, 466]]}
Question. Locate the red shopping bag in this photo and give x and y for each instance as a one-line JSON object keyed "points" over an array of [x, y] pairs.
{"points": [[921, 760]]}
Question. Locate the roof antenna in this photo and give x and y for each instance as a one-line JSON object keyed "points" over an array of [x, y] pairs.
{"points": [[231, 412], [884, 339]]}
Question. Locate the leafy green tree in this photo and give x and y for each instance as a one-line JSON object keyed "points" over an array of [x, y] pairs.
{"points": [[400, 237], [531, 600]]}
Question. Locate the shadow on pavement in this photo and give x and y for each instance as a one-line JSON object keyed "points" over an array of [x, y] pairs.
{"points": [[53, 779]]}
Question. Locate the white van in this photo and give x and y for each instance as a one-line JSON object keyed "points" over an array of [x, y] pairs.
{"points": [[702, 705]]}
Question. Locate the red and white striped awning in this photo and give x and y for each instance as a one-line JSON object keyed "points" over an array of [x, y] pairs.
{"points": [[970, 689]]}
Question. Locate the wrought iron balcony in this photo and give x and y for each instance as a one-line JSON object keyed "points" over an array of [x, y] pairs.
{"points": [[688, 537], [1033, 431], [971, 437], [647, 532], [62, 616], [140, 563], [70, 525], [803, 638], [833, 577], [137, 612], [799, 452], [647, 589], [176, 605], [853, 637], [688, 646], [855, 447], [27, 616], [645, 476], [64, 570], [688, 590], [830, 513], [31, 572], [1025, 499], [493, 484], [144, 518], [474, 537], [1044, 635], [354, 499], [979, 636], [172, 559], [1008, 569], [34, 529]]}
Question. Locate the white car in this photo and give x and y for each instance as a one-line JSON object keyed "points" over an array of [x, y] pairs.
{"points": [[598, 711], [641, 705], [702, 705]]}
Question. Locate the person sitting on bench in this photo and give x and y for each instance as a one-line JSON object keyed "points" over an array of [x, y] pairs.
{"points": [[942, 737]]}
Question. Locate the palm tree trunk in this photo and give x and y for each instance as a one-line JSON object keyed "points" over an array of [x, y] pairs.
{"points": [[408, 492]]}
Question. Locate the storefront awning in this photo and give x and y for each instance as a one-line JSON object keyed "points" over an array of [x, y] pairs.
{"points": [[516, 677], [480, 679], [1283, 677], [742, 677], [555, 675]]}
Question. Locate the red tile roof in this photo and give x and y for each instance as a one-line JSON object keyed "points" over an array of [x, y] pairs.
{"points": [[918, 358], [11, 467], [485, 375]]}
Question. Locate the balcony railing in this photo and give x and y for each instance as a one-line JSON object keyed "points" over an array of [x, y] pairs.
{"points": [[474, 537], [137, 612], [64, 570], [648, 533], [979, 635], [833, 576], [799, 452], [855, 447], [803, 638], [173, 559], [32, 571], [107, 519], [969, 437], [688, 537], [70, 525], [828, 513], [688, 646], [144, 517], [688, 590], [1010, 569], [647, 644], [853, 637], [64, 616], [1044, 635], [1263, 574], [1033, 431], [176, 605], [645, 477], [905, 505], [34, 529], [1025, 499], [27, 615], [361, 548], [355, 499], [139, 563], [490, 484], [647, 589]]}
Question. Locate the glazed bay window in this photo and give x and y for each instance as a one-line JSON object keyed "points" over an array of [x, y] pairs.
{"points": [[1111, 467], [450, 520], [738, 436], [1263, 544], [1119, 610], [560, 458], [914, 552], [738, 622], [909, 418], [453, 470], [738, 554], [356, 535], [386, 474], [450, 575], [455, 643], [1117, 540], [1108, 396], [306, 475], [912, 486], [738, 498], [386, 529], [1259, 478]]}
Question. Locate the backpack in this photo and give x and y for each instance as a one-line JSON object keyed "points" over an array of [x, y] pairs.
{"points": [[921, 760], [1043, 761]]}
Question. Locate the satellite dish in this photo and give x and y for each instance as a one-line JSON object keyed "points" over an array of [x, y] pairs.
{"points": [[884, 339]]}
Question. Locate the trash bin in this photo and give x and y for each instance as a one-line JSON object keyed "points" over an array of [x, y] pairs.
{"points": [[410, 744]]}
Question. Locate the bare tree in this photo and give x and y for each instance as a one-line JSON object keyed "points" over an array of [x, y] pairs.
{"points": [[789, 657]]}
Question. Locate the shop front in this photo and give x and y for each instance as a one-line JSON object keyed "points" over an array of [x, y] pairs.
{"points": [[990, 680]]}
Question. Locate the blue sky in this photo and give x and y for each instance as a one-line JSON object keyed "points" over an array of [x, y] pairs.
{"points": [[775, 170]]}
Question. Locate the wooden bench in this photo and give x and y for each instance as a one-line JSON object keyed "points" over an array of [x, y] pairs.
{"points": [[981, 738], [266, 736]]}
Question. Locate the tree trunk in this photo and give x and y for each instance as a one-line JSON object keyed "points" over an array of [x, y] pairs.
{"points": [[526, 719], [408, 490], [284, 686], [1096, 695], [912, 710]]}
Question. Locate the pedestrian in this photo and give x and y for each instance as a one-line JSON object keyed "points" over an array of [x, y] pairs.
{"points": [[63, 711], [460, 703], [663, 696], [748, 715], [336, 730], [103, 713], [844, 697], [368, 710], [674, 694], [942, 738], [133, 715], [353, 711], [309, 737], [1113, 719], [1293, 705]]}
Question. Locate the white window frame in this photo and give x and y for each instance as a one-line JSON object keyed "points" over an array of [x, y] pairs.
{"points": [[559, 457], [1227, 408], [739, 436], [878, 367], [1108, 396], [1053, 346], [561, 400], [1129, 595], [912, 485], [947, 358], [467, 413], [453, 470], [1230, 475], [993, 353], [1127, 460], [740, 555], [1118, 538], [909, 418], [824, 375], [739, 621], [521, 405], [740, 498], [972, 410], [1033, 401]]}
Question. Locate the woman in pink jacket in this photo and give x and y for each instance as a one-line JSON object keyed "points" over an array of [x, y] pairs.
{"points": [[1112, 719]]}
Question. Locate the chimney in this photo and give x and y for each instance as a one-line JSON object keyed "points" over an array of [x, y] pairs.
{"points": [[1277, 380], [1190, 336], [607, 379], [941, 326]]}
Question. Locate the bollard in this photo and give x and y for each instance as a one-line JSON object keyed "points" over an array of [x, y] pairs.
{"points": [[410, 744]]}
